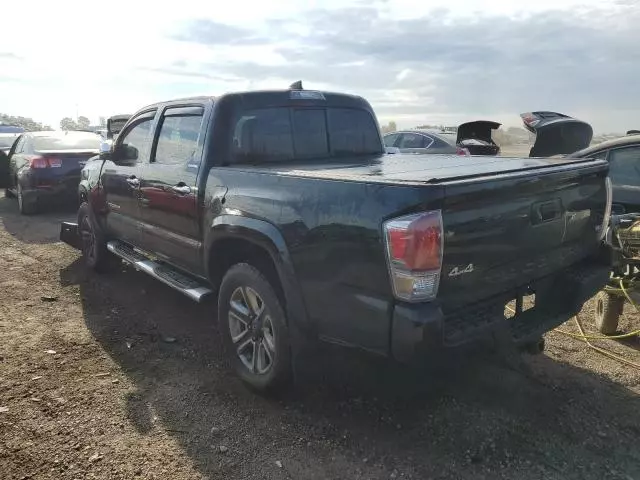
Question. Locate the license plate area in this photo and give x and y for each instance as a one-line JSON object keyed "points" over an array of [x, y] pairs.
{"points": [[523, 301]]}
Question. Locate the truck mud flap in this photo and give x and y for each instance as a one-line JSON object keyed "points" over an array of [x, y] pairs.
{"points": [[69, 235]]}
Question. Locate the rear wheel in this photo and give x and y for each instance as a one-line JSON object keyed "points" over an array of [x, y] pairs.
{"points": [[608, 310], [94, 247], [26, 206], [254, 327]]}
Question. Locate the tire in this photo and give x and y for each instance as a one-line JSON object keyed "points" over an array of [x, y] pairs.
{"points": [[254, 329], [26, 207], [95, 254], [608, 311]]}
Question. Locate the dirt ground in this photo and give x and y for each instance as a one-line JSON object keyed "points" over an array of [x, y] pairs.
{"points": [[119, 377]]}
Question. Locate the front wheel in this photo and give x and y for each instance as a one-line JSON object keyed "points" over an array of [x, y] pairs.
{"points": [[254, 327], [94, 247]]}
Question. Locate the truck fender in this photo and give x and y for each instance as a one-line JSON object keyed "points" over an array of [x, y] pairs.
{"points": [[266, 236]]}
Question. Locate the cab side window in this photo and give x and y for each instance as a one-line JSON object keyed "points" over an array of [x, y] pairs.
{"points": [[134, 143], [178, 138]]}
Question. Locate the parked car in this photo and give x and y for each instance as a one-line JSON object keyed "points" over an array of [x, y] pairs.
{"points": [[623, 155], [47, 165], [283, 205], [559, 134], [556, 133], [423, 142], [471, 138], [477, 137], [115, 124], [8, 135]]}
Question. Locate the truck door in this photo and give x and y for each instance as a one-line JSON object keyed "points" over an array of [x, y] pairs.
{"points": [[121, 179], [169, 192]]}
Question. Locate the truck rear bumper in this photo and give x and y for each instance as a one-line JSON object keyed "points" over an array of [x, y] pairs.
{"points": [[420, 328]]}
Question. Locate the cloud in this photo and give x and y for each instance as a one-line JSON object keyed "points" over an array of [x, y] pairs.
{"points": [[582, 60], [416, 61], [9, 56], [209, 32]]}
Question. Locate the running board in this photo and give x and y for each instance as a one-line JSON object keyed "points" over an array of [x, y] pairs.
{"points": [[167, 275]]}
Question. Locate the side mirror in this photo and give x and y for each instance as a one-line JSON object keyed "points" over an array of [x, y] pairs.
{"points": [[105, 150]]}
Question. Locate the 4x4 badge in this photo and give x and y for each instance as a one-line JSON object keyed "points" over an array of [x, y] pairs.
{"points": [[456, 272]]}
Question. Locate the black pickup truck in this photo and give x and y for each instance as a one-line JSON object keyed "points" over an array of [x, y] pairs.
{"points": [[284, 207]]}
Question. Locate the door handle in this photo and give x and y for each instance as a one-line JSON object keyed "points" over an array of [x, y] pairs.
{"points": [[133, 181], [181, 189]]}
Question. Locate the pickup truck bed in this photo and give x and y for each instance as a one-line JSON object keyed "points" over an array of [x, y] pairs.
{"points": [[506, 223], [410, 169], [394, 254]]}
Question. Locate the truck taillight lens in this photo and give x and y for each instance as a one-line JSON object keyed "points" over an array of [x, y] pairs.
{"points": [[414, 254]]}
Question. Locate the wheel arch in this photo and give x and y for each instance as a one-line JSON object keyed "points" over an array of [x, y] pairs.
{"points": [[235, 239]]}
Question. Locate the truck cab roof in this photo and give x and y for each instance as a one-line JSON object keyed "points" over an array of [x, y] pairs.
{"points": [[266, 98]]}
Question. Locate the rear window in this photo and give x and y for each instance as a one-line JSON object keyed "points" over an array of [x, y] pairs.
{"points": [[283, 133], [68, 141]]}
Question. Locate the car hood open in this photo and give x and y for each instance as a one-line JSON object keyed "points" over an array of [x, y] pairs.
{"points": [[477, 130], [556, 133]]}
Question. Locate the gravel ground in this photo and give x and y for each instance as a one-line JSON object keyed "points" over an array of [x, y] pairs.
{"points": [[117, 376]]}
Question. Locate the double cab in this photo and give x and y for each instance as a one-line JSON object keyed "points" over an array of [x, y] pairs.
{"points": [[283, 207]]}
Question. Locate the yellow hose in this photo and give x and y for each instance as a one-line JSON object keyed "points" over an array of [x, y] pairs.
{"points": [[583, 336]]}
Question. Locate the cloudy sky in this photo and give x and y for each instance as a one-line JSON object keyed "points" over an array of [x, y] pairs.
{"points": [[416, 61]]}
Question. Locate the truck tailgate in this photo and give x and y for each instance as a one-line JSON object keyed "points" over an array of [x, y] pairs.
{"points": [[504, 232]]}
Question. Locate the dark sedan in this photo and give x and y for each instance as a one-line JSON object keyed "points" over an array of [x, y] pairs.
{"points": [[46, 165]]}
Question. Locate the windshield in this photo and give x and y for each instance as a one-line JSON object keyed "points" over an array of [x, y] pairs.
{"points": [[68, 141]]}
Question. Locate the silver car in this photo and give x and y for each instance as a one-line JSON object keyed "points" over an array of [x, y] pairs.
{"points": [[423, 141]]}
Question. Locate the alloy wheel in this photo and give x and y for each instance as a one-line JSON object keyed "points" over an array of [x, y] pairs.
{"points": [[88, 238], [252, 331]]}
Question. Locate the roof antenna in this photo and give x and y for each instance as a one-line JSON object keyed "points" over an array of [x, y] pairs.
{"points": [[296, 85]]}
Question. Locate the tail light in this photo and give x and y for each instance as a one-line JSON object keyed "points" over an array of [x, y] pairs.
{"points": [[462, 151], [414, 253], [45, 162]]}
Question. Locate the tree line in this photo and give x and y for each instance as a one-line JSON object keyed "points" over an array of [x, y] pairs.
{"points": [[67, 123], [29, 124]]}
